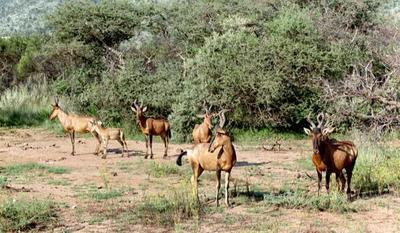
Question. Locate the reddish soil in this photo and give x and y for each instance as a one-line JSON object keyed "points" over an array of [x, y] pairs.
{"points": [[267, 170]]}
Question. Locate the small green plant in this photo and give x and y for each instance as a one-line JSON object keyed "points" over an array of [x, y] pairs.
{"points": [[104, 176], [105, 194], [24, 214], [57, 170], [157, 169], [3, 181], [59, 182]]}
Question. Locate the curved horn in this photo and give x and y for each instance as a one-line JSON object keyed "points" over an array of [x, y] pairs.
{"points": [[56, 100], [310, 121], [320, 119], [141, 104], [134, 104], [328, 122], [222, 118], [204, 106]]}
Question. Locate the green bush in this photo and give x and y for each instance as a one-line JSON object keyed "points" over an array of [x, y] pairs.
{"points": [[377, 169], [23, 214]]}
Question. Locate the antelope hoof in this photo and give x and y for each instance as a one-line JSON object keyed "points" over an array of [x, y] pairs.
{"points": [[145, 157], [104, 156], [73, 153]]}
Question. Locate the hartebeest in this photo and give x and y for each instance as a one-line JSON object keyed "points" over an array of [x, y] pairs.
{"points": [[219, 155], [330, 155], [73, 123], [150, 127], [202, 133], [108, 133]]}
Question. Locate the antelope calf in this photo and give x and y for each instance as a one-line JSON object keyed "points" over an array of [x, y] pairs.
{"points": [[73, 123], [219, 155], [202, 133], [107, 134], [151, 127], [330, 155]]}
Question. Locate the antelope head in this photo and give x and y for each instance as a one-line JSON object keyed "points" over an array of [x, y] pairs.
{"points": [[320, 132], [56, 109], [138, 109], [207, 115], [221, 136], [94, 124]]}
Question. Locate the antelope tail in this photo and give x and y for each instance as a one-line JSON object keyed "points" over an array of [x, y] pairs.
{"points": [[179, 160], [169, 133]]}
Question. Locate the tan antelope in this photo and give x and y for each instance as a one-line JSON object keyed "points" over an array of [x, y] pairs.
{"points": [[151, 127], [202, 133], [107, 134], [219, 155], [330, 155], [73, 123]]}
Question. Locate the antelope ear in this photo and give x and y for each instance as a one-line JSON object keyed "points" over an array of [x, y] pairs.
{"points": [[144, 109], [307, 131], [328, 130], [99, 122], [133, 109]]}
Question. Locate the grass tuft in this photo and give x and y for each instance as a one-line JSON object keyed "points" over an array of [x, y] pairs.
{"points": [[157, 169], [168, 209], [24, 214], [18, 169], [3, 181], [300, 199], [24, 106], [105, 195]]}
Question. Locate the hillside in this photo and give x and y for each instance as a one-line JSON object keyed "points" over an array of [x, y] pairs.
{"points": [[24, 16]]}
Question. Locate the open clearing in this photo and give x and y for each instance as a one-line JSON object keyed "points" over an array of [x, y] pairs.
{"points": [[97, 195]]}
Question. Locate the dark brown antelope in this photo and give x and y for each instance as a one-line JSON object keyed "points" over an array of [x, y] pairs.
{"points": [[73, 123], [219, 155], [107, 134], [202, 133], [330, 155], [151, 127]]}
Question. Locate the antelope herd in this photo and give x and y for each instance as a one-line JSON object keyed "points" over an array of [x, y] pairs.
{"points": [[215, 153]]}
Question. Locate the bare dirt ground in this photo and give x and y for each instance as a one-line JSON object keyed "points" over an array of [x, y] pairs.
{"points": [[131, 177]]}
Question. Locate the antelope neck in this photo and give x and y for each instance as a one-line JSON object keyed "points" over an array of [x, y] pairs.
{"points": [[208, 124], [324, 146], [142, 121], [62, 115]]}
